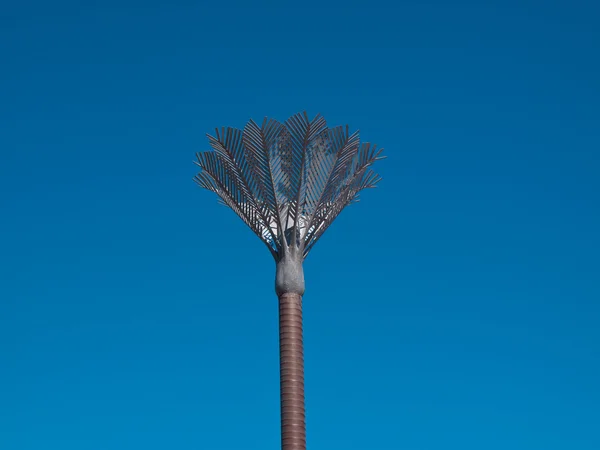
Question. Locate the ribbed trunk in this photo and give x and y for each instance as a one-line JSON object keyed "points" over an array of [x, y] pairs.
{"points": [[293, 428]]}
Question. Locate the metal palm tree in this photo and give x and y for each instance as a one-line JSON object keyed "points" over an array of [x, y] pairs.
{"points": [[288, 182]]}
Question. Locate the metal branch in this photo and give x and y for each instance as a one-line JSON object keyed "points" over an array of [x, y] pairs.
{"points": [[281, 179]]}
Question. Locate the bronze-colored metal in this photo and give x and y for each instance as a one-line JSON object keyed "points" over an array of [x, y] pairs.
{"points": [[291, 356], [288, 182]]}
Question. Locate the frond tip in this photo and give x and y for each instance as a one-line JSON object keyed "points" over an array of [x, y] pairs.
{"points": [[288, 182]]}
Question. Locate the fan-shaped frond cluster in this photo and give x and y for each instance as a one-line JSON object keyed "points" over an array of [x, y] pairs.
{"points": [[287, 182]]}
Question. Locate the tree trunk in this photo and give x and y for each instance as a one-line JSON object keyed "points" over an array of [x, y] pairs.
{"points": [[291, 361]]}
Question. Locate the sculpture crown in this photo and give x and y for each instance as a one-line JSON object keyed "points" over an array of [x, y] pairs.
{"points": [[288, 181]]}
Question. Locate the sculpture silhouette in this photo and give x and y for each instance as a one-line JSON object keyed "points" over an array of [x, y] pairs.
{"points": [[288, 182]]}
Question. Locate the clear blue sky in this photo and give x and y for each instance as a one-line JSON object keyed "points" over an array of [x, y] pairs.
{"points": [[455, 307]]}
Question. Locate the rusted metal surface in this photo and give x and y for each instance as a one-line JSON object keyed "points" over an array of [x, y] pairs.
{"points": [[291, 354]]}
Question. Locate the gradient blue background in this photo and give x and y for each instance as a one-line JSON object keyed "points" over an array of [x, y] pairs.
{"points": [[456, 307]]}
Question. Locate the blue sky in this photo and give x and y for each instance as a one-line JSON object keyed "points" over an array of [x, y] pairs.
{"points": [[456, 307]]}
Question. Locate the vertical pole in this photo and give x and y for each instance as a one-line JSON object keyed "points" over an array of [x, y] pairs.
{"points": [[291, 363]]}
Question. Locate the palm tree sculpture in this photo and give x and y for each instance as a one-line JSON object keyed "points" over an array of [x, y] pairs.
{"points": [[288, 182]]}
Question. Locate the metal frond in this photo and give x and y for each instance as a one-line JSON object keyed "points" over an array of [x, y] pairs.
{"points": [[287, 182]]}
